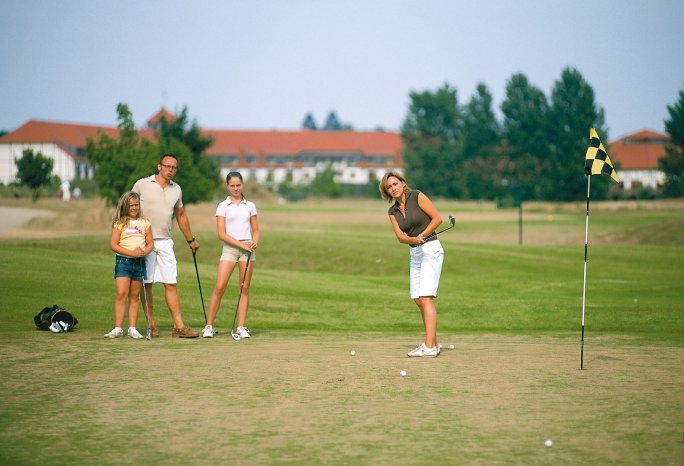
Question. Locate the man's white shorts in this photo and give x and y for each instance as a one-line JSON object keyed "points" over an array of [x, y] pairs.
{"points": [[161, 263], [425, 269]]}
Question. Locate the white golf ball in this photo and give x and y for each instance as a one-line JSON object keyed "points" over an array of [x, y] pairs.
{"points": [[352, 352], [548, 443], [451, 346], [402, 373]]}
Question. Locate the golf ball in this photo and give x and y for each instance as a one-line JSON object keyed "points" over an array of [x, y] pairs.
{"points": [[402, 373], [548, 443], [451, 346], [352, 352]]}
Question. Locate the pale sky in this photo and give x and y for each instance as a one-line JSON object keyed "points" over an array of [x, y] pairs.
{"points": [[263, 64]]}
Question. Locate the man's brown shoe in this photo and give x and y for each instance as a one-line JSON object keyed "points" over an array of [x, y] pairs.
{"points": [[155, 332], [185, 332]]}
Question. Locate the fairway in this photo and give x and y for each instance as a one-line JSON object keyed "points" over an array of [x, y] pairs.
{"points": [[331, 278]]}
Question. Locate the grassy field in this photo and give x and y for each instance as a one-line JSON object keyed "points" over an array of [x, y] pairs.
{"points": [[330, 277]]}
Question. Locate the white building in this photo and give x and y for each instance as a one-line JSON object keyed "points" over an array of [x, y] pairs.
{"points": [[267, 156], [636, 157]]}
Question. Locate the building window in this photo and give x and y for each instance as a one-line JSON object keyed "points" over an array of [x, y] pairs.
{"points": [[228, 159]]}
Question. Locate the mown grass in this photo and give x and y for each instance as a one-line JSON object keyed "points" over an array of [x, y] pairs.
{"points": [[331, 277]]}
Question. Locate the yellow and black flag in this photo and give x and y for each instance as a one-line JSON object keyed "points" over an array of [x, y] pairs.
{"points": [[597, 161]]}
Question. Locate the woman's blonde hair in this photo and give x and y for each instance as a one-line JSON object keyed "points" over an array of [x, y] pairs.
{"points": [[121, 215], [383, 185]]}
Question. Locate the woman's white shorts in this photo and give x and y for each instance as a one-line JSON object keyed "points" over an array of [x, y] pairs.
{"points": [[425, 269]]}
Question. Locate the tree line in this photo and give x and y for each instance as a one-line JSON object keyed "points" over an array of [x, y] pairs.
{"points": [[536, 152], [452, 150]]}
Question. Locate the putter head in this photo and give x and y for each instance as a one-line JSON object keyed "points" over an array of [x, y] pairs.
{"points": [[452, 220], [149, 334], [235, 335]]}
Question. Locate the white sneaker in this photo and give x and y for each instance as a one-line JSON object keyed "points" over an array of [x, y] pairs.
{"points": [[423, 351], [208, 332], [243, 332], [133, 333], [115, 333], [415, 350], [439, 348]]}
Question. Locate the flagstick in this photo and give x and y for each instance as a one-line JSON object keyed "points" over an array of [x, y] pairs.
{"points": [[584, 281]]}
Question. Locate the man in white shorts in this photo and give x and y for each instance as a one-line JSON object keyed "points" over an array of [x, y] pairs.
{"points": [[161, 199]]}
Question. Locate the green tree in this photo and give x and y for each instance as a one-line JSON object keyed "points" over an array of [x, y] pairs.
{"points": [[309, 122], [573, 112], [119, 162], [433, 142], [188, 132], [324, 183], [35, 171], [200, 175], [332, 123], [526, 132], [482, 131], [672, 164], [482, 136]]}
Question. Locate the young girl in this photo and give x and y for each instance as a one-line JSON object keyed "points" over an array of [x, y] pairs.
{"points": [[236, 223], [131, 241]]}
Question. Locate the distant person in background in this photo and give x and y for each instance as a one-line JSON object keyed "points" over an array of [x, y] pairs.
{"points": [[161, 200], [414, 220], [77, 193], [65, 187], [236, 223], [131, 241]]}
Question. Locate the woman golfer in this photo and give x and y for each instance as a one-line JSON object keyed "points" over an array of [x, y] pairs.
{"points": [[414, 220], [236, 223], [131, 241]]}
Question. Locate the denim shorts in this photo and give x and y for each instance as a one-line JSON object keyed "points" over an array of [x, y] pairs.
{"points": [[131, 267]]}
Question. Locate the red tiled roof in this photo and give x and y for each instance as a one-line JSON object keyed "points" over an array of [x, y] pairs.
{"points": [[226, 142], [163, 112], [638, 151], [75, 135], [297, 142]]}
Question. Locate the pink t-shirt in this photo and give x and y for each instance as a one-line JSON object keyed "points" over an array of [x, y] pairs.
{"points": [[237, 216]]}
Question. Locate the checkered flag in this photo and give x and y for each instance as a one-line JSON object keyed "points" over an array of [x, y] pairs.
{"points": [[597, 161]]}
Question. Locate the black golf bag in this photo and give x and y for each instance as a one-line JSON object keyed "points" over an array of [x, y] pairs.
{"points": [[55, 319]]}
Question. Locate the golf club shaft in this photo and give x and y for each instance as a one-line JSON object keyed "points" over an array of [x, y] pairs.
{"points": [[452, 220], [146, 303], [442, 231], [194, 258], [244, 277]]}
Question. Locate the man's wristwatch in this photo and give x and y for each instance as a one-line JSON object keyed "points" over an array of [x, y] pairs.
{"points": [[190, 240]]}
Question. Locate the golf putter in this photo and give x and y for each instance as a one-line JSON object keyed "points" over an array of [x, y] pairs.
{"points": [[200, 287], [452, 220], [145, 306], [233, 333]]}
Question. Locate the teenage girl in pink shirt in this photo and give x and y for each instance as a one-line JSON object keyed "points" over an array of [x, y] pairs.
{"points": [[237, 227]]}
